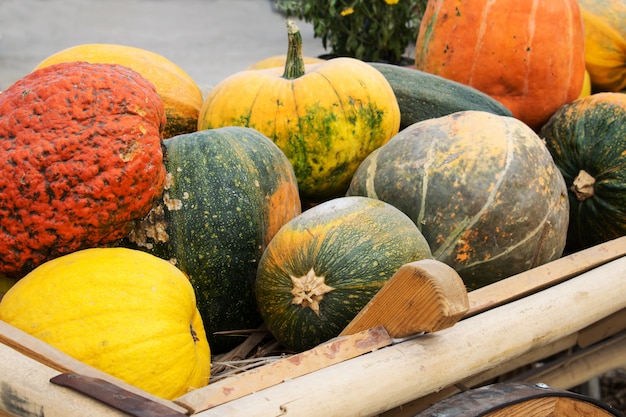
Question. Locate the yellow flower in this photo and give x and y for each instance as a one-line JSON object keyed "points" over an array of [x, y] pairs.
{"points": [[391, 1], [349, 10]]}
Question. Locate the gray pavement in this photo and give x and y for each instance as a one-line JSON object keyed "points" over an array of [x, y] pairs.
{"points": [[209, 39]]}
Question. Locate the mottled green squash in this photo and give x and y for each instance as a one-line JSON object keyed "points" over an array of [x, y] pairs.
{"points": [[229, 190], [323, 266], [423, 96], [587, 140], [482, 188]]}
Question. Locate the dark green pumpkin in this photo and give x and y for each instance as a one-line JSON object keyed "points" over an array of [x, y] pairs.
{"points": [[587, 139], [482, 188], [423, 96], [229, 190], [323, 266]]}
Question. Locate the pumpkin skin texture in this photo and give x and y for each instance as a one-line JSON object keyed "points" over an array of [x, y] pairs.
{"points": [[605, 43], [587, 139], [527, 54], [81, 160], [229, 191], [182, 97], [424, 96], [482, 188], [323, 266], [326, 119], [125, 312]]}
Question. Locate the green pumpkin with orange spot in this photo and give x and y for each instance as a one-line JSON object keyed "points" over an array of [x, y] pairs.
{"points": [[228, 192], [482, 188]]}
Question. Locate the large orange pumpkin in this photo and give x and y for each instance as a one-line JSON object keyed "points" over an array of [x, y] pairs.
{"points": [[527, 54]]}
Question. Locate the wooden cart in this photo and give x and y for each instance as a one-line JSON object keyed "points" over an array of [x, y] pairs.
{"points": [[557, 325]]}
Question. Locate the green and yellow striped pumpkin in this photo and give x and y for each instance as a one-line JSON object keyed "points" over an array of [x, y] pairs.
{"points": [[326, 117]]}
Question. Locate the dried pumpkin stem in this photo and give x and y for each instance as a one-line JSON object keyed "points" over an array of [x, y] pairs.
{"points": [[583, 186], [294, 65], [308, 290]]}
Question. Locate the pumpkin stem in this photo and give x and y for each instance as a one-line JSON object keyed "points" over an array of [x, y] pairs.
{"points": [[294, 66], [583, 185], [308, 290]]}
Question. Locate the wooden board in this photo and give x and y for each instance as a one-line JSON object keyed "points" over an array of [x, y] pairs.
{"points": [[326, 354], [387, 378], [26, 366], [602, 329], [545, 276]]}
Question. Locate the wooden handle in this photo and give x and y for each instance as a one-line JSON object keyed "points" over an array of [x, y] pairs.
{"points": [[422, 296], [322, 356]]}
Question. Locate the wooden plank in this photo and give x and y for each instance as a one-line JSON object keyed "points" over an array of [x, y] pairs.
{"points": [[25, 390], [544, 276], [413, 407], [337, 350], [371, 384], [604, 328], [563, 373], [428, 296], [425, 295], [15, 342], [422, 296], [581, 366]]}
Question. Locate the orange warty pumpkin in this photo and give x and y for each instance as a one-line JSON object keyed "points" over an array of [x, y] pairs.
{"points": [[80, 160], [527, 54]]}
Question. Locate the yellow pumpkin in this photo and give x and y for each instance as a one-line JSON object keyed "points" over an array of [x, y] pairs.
{"points": [[181, 96], [123, 311], [325, 117], [605, 43]]}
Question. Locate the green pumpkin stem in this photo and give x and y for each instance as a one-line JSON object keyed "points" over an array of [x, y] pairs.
{"points": [[294, 66]]}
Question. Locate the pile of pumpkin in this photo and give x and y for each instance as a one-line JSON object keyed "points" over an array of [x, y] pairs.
{"points": [[144, 222]]}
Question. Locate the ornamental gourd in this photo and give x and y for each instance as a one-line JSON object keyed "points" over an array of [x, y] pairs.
{"points": [[323, 266], [122, 311], [587, 139], [527, 54], [229, 191], [605, 43], [482, 189], [325, 117], [181, 96], [81, 160]]}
